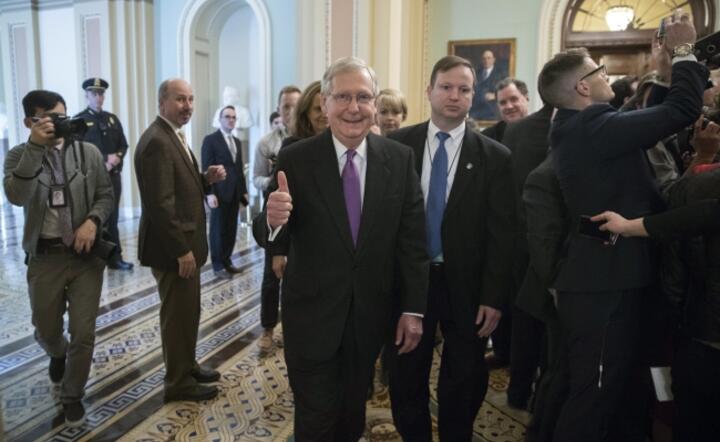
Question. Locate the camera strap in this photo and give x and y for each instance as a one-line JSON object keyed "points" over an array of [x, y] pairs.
{"points": [[83, 169]]}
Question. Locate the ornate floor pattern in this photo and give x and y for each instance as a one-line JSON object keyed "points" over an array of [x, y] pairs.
{"points": [[124, 394]]}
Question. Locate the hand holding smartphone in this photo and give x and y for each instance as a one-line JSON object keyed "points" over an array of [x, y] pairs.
{"points": [[591, 229]]}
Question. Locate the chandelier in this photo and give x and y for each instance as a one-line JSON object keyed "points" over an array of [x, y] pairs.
{"points": [[619, 17]]}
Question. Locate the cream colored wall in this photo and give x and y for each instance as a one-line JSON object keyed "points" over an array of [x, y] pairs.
{"points": [[391, 37]]}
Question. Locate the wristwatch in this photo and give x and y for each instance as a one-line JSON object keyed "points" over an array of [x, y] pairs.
{"points": [[683, 49]]}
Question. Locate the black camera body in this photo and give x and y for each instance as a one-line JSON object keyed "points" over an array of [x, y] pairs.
{"points": [[68, 127], [707, 49]]}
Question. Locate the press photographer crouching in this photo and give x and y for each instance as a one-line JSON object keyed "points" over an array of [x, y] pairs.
{"points": [[65, 191]]}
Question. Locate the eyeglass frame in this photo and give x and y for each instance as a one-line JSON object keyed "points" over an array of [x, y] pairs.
{"points": [[347, 99], [602, 68]]}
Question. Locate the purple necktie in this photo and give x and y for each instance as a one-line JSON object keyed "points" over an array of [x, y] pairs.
{"points": [[351, 189]]}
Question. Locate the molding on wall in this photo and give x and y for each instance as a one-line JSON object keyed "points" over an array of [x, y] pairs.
{"points": [[42, 5], [550, 30], [18, 69]]}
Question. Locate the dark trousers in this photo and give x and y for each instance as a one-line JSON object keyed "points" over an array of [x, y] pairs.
{"points": [[463, 377], [527, 348], [552, 387], [606, 388], [696, 390], [111, 225], [330, 395], [269, 295], [179, 322], [223, 229]]}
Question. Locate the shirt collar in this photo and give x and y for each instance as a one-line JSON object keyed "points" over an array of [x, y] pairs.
{"points": [[225, 134], [174, 127], [456, 134], [340, 148]]}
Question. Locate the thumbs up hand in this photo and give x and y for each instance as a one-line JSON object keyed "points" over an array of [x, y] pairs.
{"points": [[279, 203]]}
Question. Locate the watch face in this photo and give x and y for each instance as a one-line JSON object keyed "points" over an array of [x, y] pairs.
{"points": [[682, 50]]}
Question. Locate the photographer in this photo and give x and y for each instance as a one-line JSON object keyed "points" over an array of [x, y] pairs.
{"points": [[66, 194], [603, 291]]}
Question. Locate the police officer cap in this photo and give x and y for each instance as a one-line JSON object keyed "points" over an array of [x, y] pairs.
{"points": [[95, 83]]}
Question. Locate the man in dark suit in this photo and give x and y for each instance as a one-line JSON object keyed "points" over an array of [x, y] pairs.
{"points": [[173, 241], [544, 248], [513, 102], [484, 105], [601, 165], [348, 213], [222, 148], [467, 183], [527, 139]]}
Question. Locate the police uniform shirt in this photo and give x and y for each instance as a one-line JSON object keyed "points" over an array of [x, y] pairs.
{"points": [[105, 132]]}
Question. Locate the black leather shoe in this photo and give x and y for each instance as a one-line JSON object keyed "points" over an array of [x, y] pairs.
{"points": [[56, 370], [232, 269], [223, 274], [120, 265], [205, 375], [197, 393]]}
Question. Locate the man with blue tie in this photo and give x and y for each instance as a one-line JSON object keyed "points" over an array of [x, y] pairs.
{"points": [[221, 147], [467, 184], [348, 214]]}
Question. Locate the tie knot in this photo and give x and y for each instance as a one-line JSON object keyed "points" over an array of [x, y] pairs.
{"points": [[350, 154], [443, 136]]}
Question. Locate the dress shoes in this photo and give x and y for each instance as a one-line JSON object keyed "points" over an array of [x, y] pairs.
{"points": [[232, 269], [196, 393], [205, 375], [223, 274], [119, 264]]}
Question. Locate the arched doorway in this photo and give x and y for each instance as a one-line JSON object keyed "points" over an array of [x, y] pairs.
{"points": [[618, 32], [214, 38], [557, 18]]}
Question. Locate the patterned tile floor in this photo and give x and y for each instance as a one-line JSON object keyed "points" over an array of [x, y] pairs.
{"points": [[124, 393]]}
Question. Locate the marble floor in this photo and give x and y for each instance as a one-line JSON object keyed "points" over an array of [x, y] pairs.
{"points": [[124, 393]]}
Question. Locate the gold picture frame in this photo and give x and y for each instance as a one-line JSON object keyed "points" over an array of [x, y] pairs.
{"points": [[484, 108]]}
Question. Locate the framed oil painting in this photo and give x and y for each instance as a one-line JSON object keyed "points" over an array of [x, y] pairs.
{"points": [[494, 60]]}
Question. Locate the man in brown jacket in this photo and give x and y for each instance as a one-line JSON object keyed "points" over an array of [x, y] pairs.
{"points": [[173, 239]]}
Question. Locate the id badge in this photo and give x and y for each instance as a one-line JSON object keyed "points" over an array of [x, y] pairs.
{"points": [[58, 197]]}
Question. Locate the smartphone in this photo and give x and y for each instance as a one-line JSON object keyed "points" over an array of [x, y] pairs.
{"points": [[591, 229], [661, 29]]}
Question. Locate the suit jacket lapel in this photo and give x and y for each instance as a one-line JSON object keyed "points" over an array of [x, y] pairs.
{"points": [[327, 177], [468, 166], [191, 164], [418, 140], [376, 176]]}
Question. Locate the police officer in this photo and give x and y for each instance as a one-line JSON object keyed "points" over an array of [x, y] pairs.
{"points": [[106, 132]]}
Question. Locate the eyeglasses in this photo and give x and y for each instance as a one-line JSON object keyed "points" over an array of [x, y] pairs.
{"points": [[346, 99], [602, 69]]}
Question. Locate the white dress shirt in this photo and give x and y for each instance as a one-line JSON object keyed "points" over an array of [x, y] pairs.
{"points": [[359, 160], [453, 145], [178, 131]]}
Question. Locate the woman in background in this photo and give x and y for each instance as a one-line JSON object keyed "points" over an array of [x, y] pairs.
{"points": [[391, 110]]}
